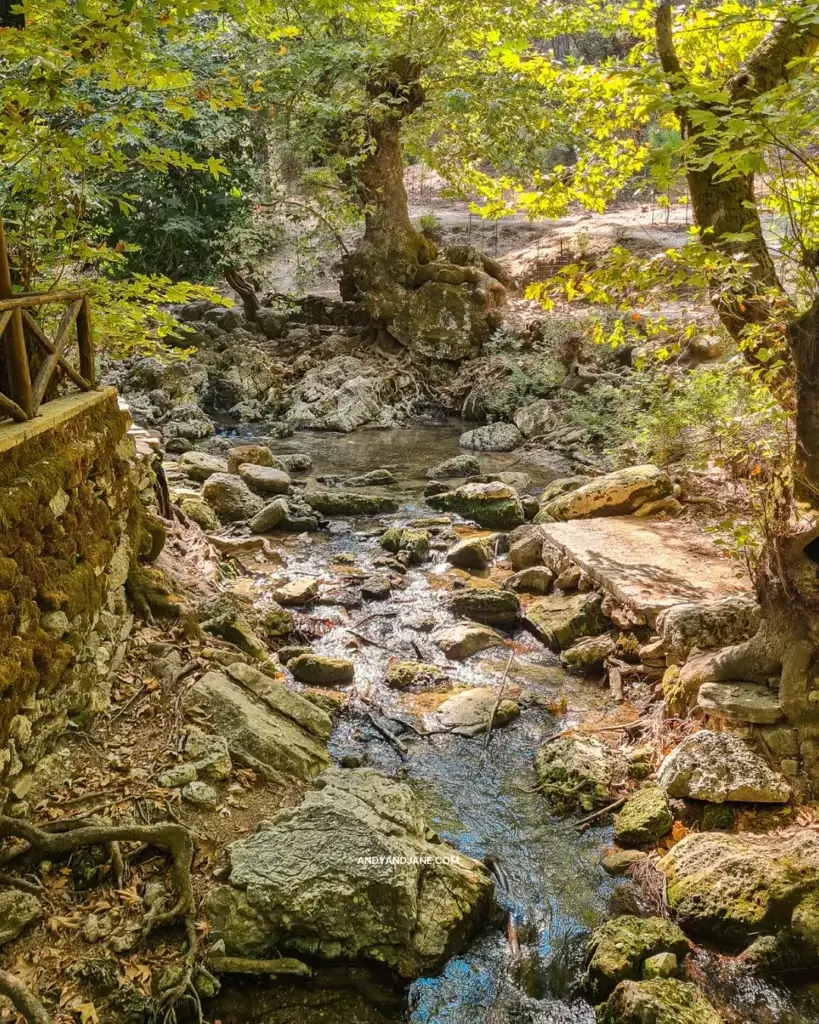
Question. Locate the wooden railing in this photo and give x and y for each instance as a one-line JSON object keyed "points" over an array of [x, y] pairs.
{"points": [[24, 396]]}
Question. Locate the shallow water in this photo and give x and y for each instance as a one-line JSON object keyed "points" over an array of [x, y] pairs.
{"points": [[556, 890]]}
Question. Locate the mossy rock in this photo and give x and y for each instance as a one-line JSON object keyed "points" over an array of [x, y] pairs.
{"points": [[658, 1001], [404, 675], [494, 505], [319, 670], [579, 770], [201, 514], [414, 541], [618, 948], [277, 622], [349, 503], [490, 607], [644, 819]]}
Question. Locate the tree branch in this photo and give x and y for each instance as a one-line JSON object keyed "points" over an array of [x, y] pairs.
{"points": [[770, 63], [666, 50]]}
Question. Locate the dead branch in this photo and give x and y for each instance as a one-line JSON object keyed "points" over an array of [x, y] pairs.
{"points": [[491, 721], [599, 814]]}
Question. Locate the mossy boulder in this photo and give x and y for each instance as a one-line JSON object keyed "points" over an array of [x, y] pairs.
{"points": [[494, 505], [349, 503], [489, 606], [471, 553], [614, 494], [579, 770], [589, 653], [414, 541], [230, 498], [645, 818], [441, 321], [319, 670], [277, 622], [492, 437], [405, 675], [458, 466], [201, 466], [200, 513], [265, 480], [657, 1001], [270, 516], [251, 454], [560, 619], [618, 948]]}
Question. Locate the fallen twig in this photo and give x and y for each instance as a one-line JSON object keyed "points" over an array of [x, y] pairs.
{"points": [[599, 814], [391, 738], [497, 703]]}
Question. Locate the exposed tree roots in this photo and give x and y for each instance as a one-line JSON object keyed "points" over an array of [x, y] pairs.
{"points": [[67, 836]]}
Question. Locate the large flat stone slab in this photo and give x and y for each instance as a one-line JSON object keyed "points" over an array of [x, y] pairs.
{"points": [[647, 566]]}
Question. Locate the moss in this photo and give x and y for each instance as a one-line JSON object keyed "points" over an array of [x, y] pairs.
{"points": [[660, 1001], [618, 948], [644, 819], [414, 541], [499, 513]]}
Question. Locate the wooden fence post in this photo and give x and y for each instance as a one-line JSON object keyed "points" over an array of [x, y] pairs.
{"points": [[85, 342], [17, 368]]}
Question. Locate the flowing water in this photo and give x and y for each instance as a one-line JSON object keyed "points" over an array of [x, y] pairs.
{"points": [[555, 890]]}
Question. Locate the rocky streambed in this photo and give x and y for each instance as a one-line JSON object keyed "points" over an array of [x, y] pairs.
{"points": [[453, 862]]}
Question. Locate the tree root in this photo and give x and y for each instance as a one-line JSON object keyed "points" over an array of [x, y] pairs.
{"points": [[65, 837], [23, 999]]}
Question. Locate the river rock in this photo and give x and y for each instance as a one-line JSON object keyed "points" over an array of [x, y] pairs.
{"points": [[279, 737], [201, 513], [494, 437], [618, 862], [465, 639], [376, 588], [277, 622], [526, 547], [468, 712], [719, 767], [200, 465], [341, 394], [535, 580], [707, 625], [618, 948], [223, 618], [375, 478], [731, 887], [230, 498], [589, 653], [489, 606], [269, 517], [349, 503], [298, 591], [451, 469], [265, 480], [319, 670], [350, 875], [536, 418], [414, 541], [580, 770], [645, 818], [282, 699], [200, 795], [298, 462], [614, 494], [17, 909], [472, 553], [740, 702], [560, 619], [494, 505], [657, 1001], [406, 675], [250, 454]]}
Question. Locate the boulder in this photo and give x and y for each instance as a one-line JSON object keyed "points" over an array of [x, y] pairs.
{"points": [[406, 675], [341, 394], [563, 485], [297, 463], [740, 702], [579, 770], [350, 875], [270, 516], [615, 494], [560, 619], [441, 321], [707, 625], [277, 729], [376, 588], [467, 713], [526, 547], [265, 480], [719, 767], [458, 466], [731, 887], [494, 505], [349, 503], [319, 670], [201, 514], [536, 418], [250, 454], [465, 639], [657, 1001], [472, 553], [661, 965], [298, 591], [200, 795], [589, 653], [489, 606], [230, 498], [645, 818], [619, 947], [494, 437], [277, 622], [200, 465], [535, 580], [414, 541], [283, 700], [17, 909], [618, 862]]}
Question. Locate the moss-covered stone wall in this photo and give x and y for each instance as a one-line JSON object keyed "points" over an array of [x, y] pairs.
{"points": [[68, 500]]}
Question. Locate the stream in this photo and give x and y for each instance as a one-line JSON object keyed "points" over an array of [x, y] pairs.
{"points": [[555, 889]]}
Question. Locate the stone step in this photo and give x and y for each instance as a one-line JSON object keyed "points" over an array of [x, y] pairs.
{"points": [[740, 702]]}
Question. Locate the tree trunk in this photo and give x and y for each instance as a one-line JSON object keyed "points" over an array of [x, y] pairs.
{"points": [[803, 339]]}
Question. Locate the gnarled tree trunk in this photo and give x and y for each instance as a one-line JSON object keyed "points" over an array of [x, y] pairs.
{"points": [[787, 644]]}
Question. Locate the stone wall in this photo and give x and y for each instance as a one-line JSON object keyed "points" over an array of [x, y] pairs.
{"points": [[69, 483]]}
